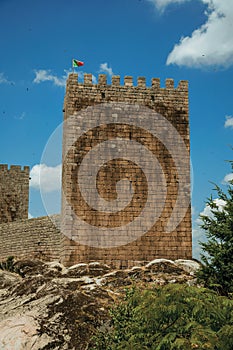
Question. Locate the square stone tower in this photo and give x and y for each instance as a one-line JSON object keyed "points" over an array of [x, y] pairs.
{"points": [[14, 189], [126, 171]]}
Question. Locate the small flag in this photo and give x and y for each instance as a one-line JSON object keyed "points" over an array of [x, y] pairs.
{"points": [[77, 63]]}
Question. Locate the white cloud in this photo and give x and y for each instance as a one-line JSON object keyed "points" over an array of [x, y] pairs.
{"points": [[227, 179], [30, 216], [104, 68], [207, 210], [212, 43], [4, 80], [161, 4], [46, 178], [228, 122], [20, 116], [43, 75], [199, 235]]}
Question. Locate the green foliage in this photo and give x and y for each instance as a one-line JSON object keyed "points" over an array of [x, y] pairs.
{"points": [[174, 317], [8, 264], [217, 269]]}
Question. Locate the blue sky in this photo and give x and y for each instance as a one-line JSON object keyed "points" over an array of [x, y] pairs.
{"points": [[179, 39]]}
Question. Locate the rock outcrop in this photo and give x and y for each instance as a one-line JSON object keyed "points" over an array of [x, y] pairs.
{"points": [[47, 306]]}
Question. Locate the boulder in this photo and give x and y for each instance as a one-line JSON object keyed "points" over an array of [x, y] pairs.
{"points": [[53, 307], [165, 266], [190, 266], [8, 279]]}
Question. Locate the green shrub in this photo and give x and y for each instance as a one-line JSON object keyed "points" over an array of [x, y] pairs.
{"points": [[217, 269], [169, 317], [8, 264]]}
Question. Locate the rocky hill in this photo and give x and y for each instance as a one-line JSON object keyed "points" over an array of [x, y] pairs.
{"points": [[47, 306]]}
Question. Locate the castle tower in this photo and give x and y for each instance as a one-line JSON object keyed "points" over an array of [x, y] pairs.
{"points": [[14, 189], [130, 121]]}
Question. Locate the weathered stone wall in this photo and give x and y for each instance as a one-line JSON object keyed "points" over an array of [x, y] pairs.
{"points": [[14, 189], [34, 238], [171, 103], [40, 238]]}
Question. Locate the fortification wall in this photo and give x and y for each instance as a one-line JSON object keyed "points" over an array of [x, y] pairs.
{"points": [[34, 238], [14, 189], [172, 104], [89, 238]]}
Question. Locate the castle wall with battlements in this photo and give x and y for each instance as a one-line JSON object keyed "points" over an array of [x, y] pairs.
{"points": [[85, 99], [14, 189], [90, 237]]}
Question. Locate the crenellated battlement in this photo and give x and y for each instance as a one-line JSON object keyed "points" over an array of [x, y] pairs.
{"points": [[14, 169], [128, 82], [168, 100], [14, 188]]}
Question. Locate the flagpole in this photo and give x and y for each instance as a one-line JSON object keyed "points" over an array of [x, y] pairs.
{"points": [[72, 65]]}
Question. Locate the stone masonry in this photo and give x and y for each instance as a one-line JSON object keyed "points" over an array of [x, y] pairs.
{"points": [[171, 103], [14, 186], [62, 238], [37, 238]]}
